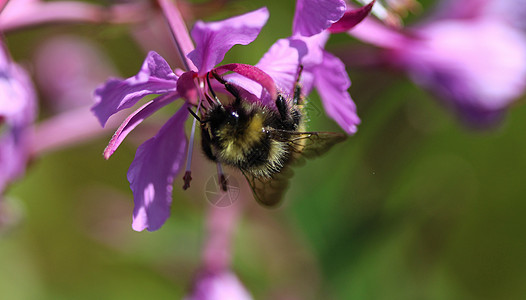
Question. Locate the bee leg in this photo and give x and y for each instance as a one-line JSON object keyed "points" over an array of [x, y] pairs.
{"points": [[297, 98], [281, 105], [296, 117], [290, 117]]}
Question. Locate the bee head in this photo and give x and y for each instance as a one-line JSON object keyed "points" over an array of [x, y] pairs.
{"points": [[227, 120]]}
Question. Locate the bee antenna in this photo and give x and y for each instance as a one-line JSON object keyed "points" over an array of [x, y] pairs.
{"points": [[218, 77], [228, 86], [210, 87], [194, 115], [209, 100]]}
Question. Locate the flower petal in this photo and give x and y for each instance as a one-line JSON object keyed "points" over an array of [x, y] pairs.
{"points": [[253, 73], [68, 69], [512, 11], [186, 86], [214, 39], [155, 77], [18, 104], [314, 16], [455, 60], [476, 117], [17, 113], [21, 14], [13, 157], [152, 172], [311, 54], [134, 120], [332, 83], [376, 33], [352, 18], [281, 63], [218, 286]]}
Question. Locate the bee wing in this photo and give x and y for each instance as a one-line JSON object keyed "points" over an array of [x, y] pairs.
{"points": [[269, 191], [311, 144]]}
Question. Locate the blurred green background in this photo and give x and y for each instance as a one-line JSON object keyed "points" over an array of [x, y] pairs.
{"points": [[414, 206]]}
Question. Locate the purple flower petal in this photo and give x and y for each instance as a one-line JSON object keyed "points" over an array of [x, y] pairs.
{"points": [[509, 11], [512, 11], [17, 95], [332, 83], [248, 89], [314, 16], [351, 18], [12, 159], [455, 59], [478, 118], [281, 63], [218, 286], [20, 14], [466, 9], [155, 77], [311, 54], [214, 39], [134, 120], [376, 33], [17, 112], [253, 73], [68, 69], [186, 87], [152, 172]]}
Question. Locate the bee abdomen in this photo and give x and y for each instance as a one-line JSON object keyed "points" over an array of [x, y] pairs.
{"points": [[257, 155], [246, 157], [276, 157]]}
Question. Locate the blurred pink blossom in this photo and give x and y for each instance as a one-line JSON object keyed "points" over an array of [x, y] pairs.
{"points": [[218, 286], [471, 57], [18, 110], [68, 69]]}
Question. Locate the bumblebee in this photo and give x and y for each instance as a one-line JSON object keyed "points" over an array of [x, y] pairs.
{"points": [[262, 142]]}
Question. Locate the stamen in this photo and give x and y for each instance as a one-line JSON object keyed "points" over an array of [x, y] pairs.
{"points": [[187, 178], [188, 173], [222, 178]]}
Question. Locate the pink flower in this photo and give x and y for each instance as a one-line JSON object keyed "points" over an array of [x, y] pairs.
{"points": [[218, 286], [469, 55], [17, 114], [68, 69], [19, 14], [322, 70], [161, 158]]}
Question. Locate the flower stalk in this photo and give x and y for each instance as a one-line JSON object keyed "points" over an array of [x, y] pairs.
{"points": [[221, 225], [18, 15]]}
